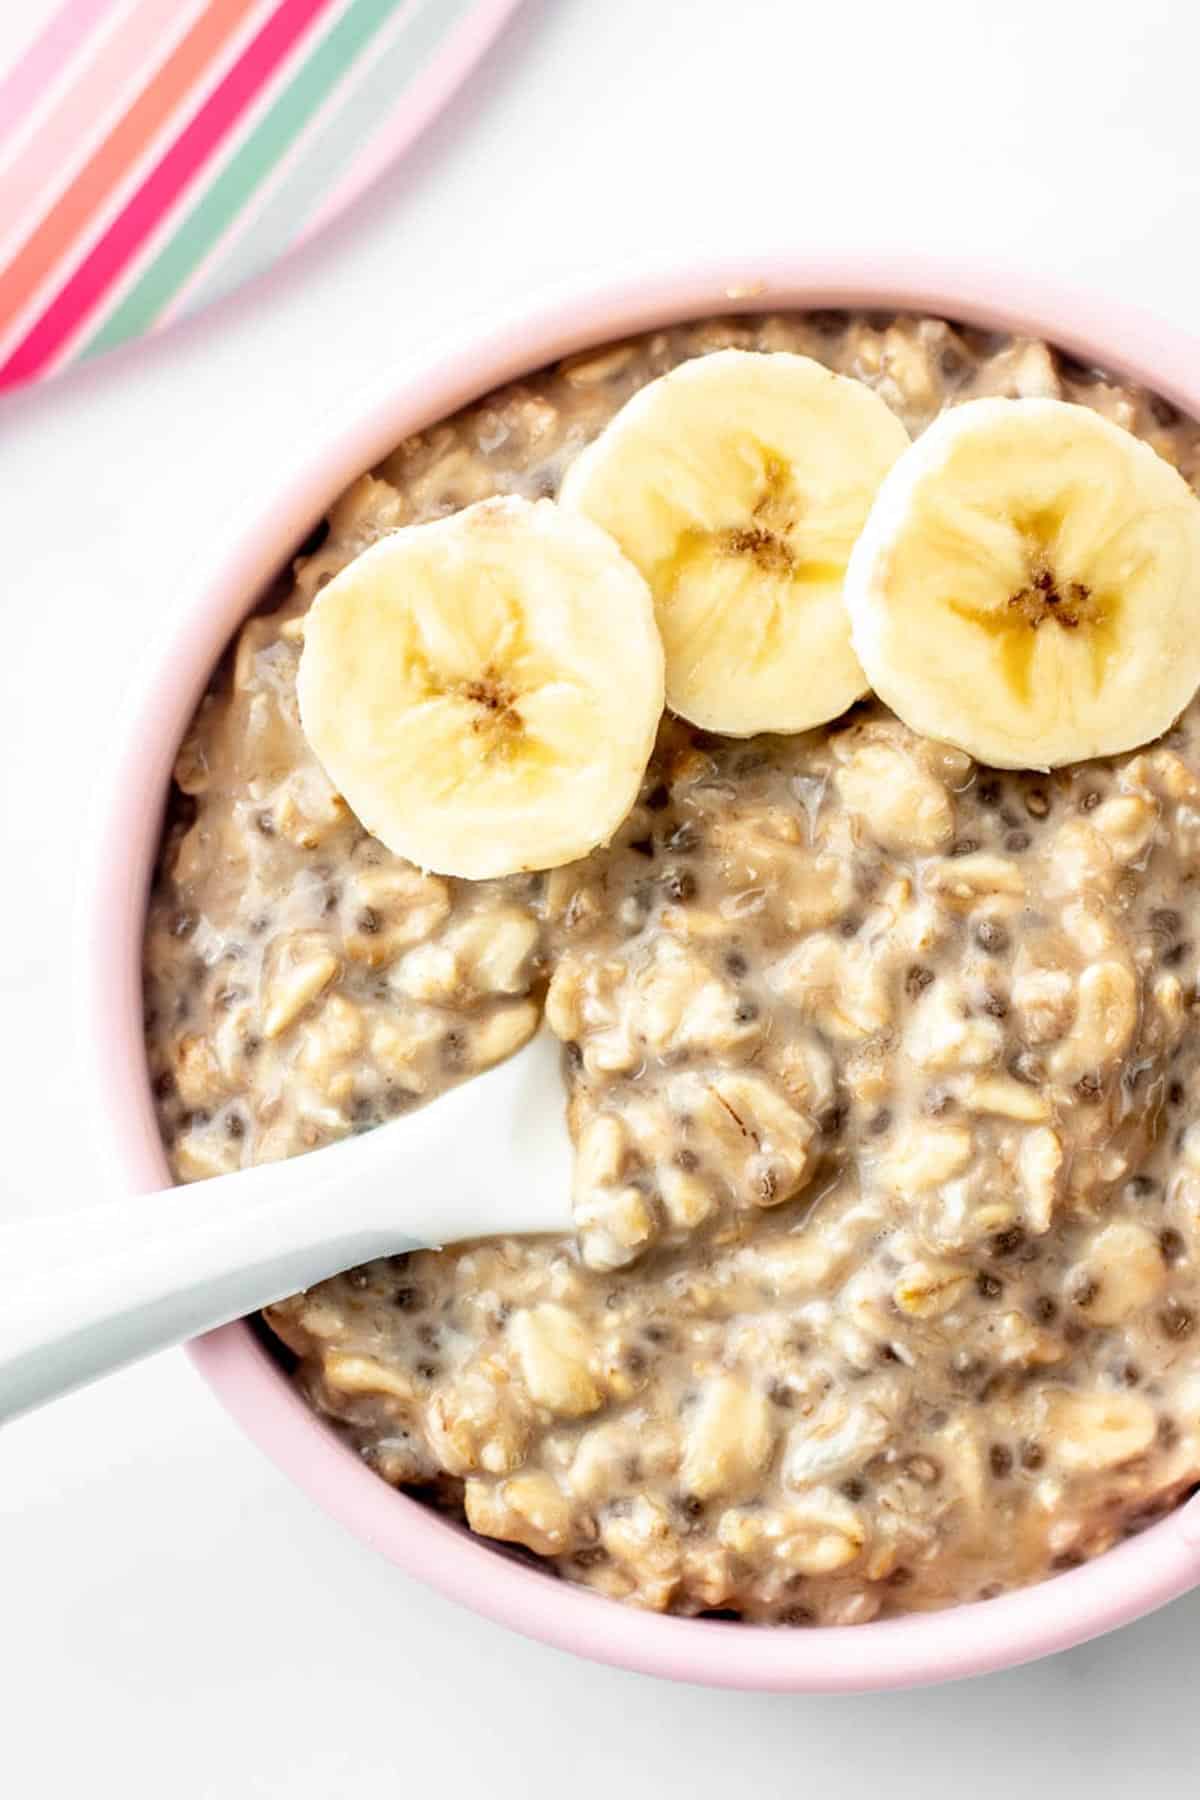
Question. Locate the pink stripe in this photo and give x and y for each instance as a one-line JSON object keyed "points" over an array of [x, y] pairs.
{"points": [[162, 187], [448, 68], [45, 58], [71, 123]]}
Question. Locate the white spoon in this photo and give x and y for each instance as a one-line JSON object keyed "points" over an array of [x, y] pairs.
{"points": [[83, 1293]]}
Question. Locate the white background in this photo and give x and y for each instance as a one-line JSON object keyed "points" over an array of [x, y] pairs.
{"points": [[174, 1618]]}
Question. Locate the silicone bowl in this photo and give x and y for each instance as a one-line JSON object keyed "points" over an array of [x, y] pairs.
{"points": [[1129, 1580]]}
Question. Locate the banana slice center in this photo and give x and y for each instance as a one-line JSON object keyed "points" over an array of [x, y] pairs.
{"points": [[496, 718], [1085, 615], [770, 540], [480, 665], [768, 552]]}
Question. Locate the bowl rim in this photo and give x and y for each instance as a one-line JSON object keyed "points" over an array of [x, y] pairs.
{"points": [[1120, 1585]]}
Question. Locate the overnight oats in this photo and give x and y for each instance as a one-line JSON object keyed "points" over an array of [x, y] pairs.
{"points": [[880, 1044]]}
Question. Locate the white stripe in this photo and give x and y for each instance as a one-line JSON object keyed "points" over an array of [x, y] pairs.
{"points": [[53, 92]]}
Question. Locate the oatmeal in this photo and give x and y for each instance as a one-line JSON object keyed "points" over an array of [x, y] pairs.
{"points": [[880, 1070]]}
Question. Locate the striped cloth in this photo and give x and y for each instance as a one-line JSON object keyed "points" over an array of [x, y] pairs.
{"points": [[154, 153]]}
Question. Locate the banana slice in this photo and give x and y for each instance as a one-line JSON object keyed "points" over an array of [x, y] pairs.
{"points": [[485, 690], [1028, 585], [738, 484]]}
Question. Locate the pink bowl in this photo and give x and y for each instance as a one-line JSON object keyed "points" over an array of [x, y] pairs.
{"points": [[1141, 1573]]}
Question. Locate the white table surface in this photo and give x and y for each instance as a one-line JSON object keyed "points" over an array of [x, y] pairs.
{"points": [[175, 1619]]}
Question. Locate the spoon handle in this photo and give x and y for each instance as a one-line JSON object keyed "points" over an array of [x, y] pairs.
{"points": [[153, 1269], [81, 1297]]}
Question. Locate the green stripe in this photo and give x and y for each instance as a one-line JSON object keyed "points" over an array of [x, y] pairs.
{"points": [[241, 176], [332, 148]]}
